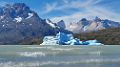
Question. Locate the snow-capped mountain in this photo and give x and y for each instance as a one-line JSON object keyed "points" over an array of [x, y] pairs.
{"points": [[85, 25], [60, 26], [19, 23]]}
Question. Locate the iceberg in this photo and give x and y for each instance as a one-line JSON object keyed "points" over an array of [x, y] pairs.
{"points": [[50, 40], [66, 39]]}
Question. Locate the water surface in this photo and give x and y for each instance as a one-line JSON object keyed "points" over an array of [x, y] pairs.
{"points": [[59, 56]]}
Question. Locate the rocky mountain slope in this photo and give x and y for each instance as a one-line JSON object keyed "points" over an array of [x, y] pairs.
{"points": [[20, 25]]}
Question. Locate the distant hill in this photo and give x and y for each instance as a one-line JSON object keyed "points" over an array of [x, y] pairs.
{"points": [[109, 36]]}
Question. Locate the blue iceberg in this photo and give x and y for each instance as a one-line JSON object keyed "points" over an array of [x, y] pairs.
{"points": [[67, 39]]}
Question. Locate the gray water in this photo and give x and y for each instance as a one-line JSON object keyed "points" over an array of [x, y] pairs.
{"points": [[59, 56]]}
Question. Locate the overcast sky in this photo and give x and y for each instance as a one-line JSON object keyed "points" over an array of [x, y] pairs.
{"points": [[72, 10]]}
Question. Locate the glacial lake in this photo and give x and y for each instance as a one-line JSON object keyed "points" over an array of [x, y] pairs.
{"points": [[59, 56]]}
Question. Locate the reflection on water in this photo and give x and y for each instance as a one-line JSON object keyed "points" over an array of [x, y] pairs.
{"points": [[59, 56]]}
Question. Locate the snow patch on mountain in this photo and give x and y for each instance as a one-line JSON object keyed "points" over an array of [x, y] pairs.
{"points": [[1, 17], [85, 28], [18, 19], [3, 25], [29, 15], [51, 23]]}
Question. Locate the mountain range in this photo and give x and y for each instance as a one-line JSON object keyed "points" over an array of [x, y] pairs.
{"points": [[20, 25], [85, 25]]}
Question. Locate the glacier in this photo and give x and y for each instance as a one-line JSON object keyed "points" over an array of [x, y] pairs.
{"points": [[67, 39]]}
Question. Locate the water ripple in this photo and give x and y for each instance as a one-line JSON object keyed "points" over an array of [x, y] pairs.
{"points": [[31, 54]]}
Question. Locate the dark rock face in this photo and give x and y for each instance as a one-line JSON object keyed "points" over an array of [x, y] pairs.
{"points": [[61, 24], [84, 21], [18, 23], [97, 19]]}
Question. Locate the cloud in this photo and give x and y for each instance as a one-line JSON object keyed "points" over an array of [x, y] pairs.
{"points": [[90, 10], [66, 1], [68, 4], [2, 3], [89, 13], [50, 8]]}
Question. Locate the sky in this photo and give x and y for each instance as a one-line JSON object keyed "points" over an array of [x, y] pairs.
{"points": [[72, 10]]}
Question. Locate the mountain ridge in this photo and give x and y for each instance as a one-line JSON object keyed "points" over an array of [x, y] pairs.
{"points": [[20, 24], [96, 24]]}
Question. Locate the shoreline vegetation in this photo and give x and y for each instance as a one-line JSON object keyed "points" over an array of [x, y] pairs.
{"points": [[109, 36]]}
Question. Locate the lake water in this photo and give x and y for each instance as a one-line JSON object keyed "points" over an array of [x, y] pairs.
{"points": [[59, 56]]}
